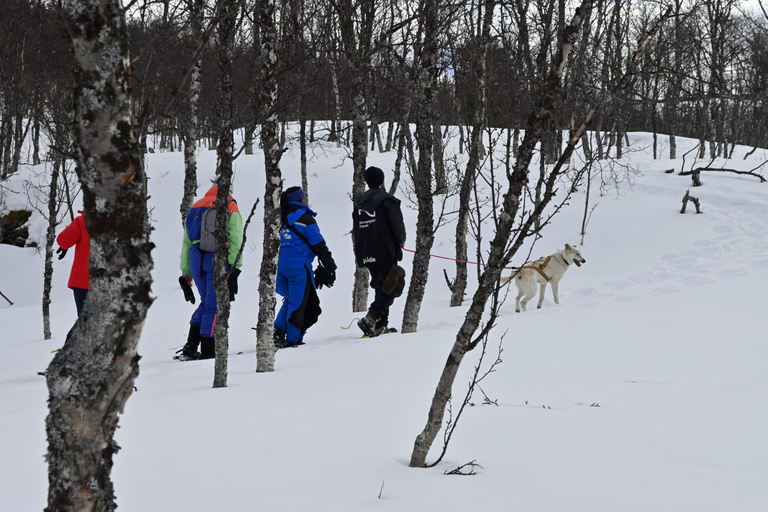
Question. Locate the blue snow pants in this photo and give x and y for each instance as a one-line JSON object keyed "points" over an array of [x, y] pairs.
{"points": [[292, 286], [201, 266]]}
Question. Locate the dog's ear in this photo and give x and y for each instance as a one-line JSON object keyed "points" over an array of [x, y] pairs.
{"points": [[567, 247]]}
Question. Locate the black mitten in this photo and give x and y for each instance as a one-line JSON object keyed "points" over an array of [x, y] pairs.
{"points": [[61, 252], [321, 277], [232, 284], [189, 296]]}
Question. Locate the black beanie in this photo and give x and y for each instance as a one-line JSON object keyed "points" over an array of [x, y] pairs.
{"points": [[374, 177]]}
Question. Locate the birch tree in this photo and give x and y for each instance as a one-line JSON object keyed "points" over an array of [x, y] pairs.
{"points": [[190, 126], [270, 140], [478, 73], [422, 180], [224, 151], [91, 378], [502, 250], [357, 49]]}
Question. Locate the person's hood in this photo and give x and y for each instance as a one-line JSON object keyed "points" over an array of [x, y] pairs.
{"points": [[213, 192], [372, 198], [300, 207]]}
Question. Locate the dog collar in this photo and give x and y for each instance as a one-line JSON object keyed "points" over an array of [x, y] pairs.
{"points": [[564, 260]]}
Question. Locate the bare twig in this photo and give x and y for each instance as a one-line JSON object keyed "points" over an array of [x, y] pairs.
{"points": [[6, 298], [245, 230], [461, 471]]}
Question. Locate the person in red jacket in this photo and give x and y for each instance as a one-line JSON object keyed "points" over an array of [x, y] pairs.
{"points": [[76, 235]]}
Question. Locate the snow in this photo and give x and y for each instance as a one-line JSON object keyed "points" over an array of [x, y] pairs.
{"points": [[662, 328]]}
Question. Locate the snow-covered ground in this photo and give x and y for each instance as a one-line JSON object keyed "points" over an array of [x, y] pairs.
{"points": [[662, 327]]}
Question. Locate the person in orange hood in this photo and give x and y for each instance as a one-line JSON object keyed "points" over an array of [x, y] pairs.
{"points": [[76, 235]]}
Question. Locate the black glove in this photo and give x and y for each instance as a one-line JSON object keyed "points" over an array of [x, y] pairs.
{"points": [[188, 295], [232, 284], [326, 260], [61, 252], [324, 278]]}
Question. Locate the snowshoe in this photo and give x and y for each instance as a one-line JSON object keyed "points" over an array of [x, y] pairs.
{"points": [[284, 344], [181, 356], [371, 330]]}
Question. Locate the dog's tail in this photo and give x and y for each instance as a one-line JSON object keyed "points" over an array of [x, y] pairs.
{"points": [[504, 280]]}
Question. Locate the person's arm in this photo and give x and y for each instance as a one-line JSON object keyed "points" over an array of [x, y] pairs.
{"points": [[235, 235], [316, 241], [70, 236], [186, 243], [396, 223]]}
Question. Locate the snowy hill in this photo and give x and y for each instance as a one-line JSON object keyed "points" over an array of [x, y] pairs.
{"points": [[662, 327]]}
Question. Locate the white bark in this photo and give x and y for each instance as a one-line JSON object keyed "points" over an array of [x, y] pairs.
{"points": [[92, 376]]}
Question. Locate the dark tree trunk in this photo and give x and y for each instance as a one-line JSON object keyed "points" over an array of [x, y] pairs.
{"points": [[303, 154], [441, 181], [476, 141], [92, 376], [422, 180], [225, 44], [398, 162], [36, 141], [357, 50], [390, 127], [50, 238]]}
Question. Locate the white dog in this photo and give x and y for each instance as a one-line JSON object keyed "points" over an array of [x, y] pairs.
{"points": [[550, 269]]}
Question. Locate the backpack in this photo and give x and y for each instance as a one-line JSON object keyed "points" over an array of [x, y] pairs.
{"points": [[207, 229]]}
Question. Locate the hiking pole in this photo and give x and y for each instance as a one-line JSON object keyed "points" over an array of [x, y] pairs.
{"points": [[6, 298]]}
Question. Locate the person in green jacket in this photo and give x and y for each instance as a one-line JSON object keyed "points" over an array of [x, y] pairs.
{"points": [[197, 265]]}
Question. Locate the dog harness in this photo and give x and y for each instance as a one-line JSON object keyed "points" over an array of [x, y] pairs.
{"points": [[538, 265]]}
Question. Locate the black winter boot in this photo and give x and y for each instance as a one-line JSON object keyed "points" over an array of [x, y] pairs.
{"points": [[207, 348], [189, 352], [369, 324], [279, 338]]}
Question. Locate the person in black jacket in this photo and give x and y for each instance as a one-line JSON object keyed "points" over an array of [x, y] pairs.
{"points": [[379, 236]]}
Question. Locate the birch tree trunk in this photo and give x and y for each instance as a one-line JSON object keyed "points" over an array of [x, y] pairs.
{"points": [[36, 140], [254, 88], [265, 347], [398, 162], [334, 135], [476, 141], [50, 238], [358, 55], [441, 182], [422, 180], [226, 40], [190, 130], [91, 378], [303, 154], [390, 127]]}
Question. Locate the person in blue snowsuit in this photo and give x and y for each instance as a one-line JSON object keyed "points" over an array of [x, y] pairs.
{"points": [[300, 242]]}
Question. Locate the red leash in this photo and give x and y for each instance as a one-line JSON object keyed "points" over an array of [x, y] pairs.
{"points": [[453, 259]]}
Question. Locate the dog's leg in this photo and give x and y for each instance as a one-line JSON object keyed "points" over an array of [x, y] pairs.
{"points": [[517, 300], [530, 292], [554, 292], [542, 289]]}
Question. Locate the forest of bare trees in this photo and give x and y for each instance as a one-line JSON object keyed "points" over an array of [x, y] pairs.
{"points": [[558, 77], [704, 78]]}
